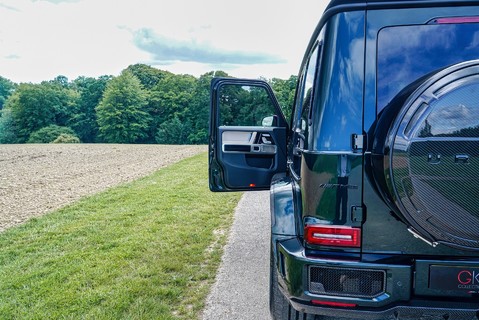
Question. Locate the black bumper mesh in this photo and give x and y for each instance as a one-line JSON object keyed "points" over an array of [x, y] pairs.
{"points": [[358, 283]]}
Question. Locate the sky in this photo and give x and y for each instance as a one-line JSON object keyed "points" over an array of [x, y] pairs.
{"points": [[41, 39]]}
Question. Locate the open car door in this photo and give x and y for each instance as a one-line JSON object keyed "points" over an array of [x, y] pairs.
{"points": [[247, 137]]}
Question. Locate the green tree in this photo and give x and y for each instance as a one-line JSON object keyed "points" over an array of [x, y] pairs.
{"points": [[200, 110], [6, 89], [83, 119], [61, 81], [121, 114], [148, 76], [34, 106], [173, 131], [67, 98], [171, 98], [284, 91]]}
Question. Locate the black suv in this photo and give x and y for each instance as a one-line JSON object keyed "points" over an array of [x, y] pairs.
{"points": [[375, 180]]}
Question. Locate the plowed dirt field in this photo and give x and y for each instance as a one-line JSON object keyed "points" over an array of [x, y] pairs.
{"points": [[35, 178]]}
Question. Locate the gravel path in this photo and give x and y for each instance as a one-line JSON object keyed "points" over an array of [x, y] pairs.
{"points": [[35, 179], [241, 290]]}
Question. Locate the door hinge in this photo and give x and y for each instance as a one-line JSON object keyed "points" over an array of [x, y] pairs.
{"points": [[357, 214], [358, 142]]}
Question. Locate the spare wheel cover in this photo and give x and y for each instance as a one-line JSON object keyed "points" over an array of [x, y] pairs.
{"points": [[433, 158]]}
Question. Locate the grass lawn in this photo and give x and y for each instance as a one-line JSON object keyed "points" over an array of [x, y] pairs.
{"points": [[145, 250]]}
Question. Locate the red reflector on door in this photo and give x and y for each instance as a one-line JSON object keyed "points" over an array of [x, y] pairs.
{"points": [[252, 185], [338, 236]]}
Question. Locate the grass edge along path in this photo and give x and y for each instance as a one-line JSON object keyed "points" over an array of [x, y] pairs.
{"points": [[148, 249]]}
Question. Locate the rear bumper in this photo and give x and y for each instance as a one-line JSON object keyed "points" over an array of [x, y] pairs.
{"points": [[433, 311], [393, 301]]}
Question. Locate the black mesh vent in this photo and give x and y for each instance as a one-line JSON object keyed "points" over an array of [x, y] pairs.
{"points": [[359, 283]]}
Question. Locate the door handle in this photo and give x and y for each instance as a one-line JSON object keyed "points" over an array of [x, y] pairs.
{"points": [[263, 148]]}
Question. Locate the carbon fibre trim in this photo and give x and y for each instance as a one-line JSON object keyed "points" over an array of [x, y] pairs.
{"points": [[410, 312]]}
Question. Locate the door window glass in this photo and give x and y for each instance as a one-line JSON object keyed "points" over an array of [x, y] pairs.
{"points": [[302, 111], [246, 106], [306, 96]]}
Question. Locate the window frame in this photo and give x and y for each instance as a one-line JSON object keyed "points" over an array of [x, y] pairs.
{"points": [[297, 133]]}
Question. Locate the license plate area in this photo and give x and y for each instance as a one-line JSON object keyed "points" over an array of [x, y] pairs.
{"points": [[452, 279]]}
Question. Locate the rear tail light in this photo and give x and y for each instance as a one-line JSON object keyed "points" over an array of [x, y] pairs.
{"points": [[337, 236]]}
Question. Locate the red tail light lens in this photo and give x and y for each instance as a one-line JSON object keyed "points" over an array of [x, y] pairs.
{"points": [[337, 236]]}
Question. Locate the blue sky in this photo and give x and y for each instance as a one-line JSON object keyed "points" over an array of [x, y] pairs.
{"points": [[41, 39]]}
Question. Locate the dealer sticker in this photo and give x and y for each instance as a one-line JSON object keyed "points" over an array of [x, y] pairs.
{"points": [[454, 278]]}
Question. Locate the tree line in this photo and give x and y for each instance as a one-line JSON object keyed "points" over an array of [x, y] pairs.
{"points": [[141, 105]]}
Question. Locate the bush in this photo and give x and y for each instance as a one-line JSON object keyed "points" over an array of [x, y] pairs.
{"points": [[50, 134], [66, 138]]}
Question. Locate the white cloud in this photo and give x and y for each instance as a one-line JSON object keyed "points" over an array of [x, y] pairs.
{"points": [[96, 37], [167, 50]]}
